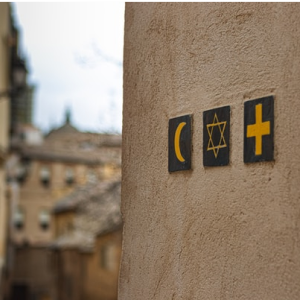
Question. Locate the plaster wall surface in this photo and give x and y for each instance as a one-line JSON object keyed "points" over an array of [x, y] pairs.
{"points": [[222, 232]]}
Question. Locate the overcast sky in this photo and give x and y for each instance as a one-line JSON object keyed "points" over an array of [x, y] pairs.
{"points": [[74, 53]]}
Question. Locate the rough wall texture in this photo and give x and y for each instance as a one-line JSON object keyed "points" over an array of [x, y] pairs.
{"points": [[211, 233]]}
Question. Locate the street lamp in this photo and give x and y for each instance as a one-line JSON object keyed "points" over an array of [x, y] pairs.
{"points": [[19, 73]]}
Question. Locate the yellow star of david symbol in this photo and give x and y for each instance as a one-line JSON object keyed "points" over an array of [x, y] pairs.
{"points": [[210, 128]]}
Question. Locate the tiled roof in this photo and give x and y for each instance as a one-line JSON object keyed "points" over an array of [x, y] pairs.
{"points": [[71, 201], [65, 129], [97, 208], [80, 147]]}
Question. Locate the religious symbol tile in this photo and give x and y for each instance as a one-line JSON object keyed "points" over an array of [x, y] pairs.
{"points": [[259, 130], [216, 130], [180, 139]]}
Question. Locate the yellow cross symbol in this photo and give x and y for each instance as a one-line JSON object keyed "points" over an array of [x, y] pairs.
{"points": [[222, 143], [258, 129]]}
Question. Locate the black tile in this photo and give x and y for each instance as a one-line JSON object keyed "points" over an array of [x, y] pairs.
{"points": [[259, 130], [216, 130], [180, 139]]}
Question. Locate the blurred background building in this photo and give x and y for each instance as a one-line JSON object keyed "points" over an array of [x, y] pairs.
{"points": [[88, 241], [65, 160], [60, 222], [5, 34]]}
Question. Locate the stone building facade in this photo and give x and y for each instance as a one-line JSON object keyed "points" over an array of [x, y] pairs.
{"points": [[66, 159], [87, 249], [4, 129]]}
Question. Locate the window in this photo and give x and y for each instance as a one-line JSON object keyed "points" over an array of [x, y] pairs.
{"points": [[69, 176], [91, 175], [44, 219], [45, 175], [19, 218], [107, 260], [21, 173]]}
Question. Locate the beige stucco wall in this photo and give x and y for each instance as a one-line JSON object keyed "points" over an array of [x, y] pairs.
{"points": [[211, 233]]}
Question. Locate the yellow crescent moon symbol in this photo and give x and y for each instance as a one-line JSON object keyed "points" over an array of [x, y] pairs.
{"points": [[176, 141]]}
